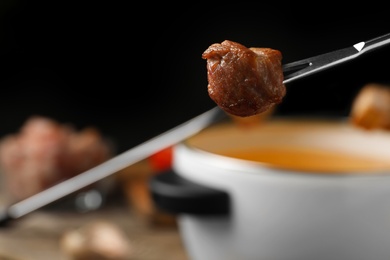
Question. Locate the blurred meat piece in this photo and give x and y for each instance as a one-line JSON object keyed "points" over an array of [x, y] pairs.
{"points": [[371, 107], [244, 81], [45, 152]]}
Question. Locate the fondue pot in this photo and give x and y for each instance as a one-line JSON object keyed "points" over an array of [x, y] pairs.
{"points": [[229, 208]]}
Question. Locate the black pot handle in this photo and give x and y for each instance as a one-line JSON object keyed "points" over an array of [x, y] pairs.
{"points": [[175, 194]]}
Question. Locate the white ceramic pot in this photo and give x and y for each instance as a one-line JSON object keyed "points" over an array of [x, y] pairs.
{"points": [[261, 212]]}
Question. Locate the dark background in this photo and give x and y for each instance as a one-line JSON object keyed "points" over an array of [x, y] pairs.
{"points": [[136, 71]]}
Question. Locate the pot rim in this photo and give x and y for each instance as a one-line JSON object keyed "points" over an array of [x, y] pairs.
{"points": [[249, 166]]}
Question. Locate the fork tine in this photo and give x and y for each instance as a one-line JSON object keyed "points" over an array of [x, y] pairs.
{"points": [[305, 67], [318, 63], [296, 65]]}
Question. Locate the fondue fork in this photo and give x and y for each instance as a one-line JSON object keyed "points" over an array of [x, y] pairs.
{"points": [[292, 71]]}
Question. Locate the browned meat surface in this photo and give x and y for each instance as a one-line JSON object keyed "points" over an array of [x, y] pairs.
{"points": [[371, 107], [244, 81]]}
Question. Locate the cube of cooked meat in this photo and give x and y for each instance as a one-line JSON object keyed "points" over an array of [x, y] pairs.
{"points": [[244, 81], [371, 107]]}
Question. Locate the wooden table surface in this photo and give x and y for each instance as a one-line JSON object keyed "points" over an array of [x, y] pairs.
{"points": [[37, 235]]}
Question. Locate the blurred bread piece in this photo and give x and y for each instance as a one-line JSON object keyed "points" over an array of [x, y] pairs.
{"points": [[371, 107], [100, 240]]}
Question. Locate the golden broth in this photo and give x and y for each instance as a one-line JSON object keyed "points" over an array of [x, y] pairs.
{"points": [[310, 159], [323, 146]]}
